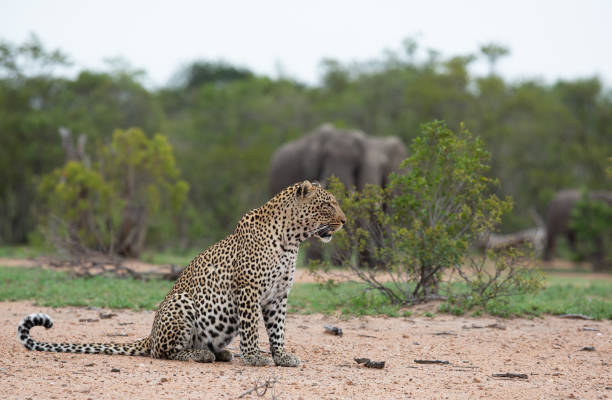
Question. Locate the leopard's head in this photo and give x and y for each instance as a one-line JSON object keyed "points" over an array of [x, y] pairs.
{"points": [[318, 210]]}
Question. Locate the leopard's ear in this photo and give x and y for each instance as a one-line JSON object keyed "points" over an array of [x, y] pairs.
{"points": [[305, 190]]}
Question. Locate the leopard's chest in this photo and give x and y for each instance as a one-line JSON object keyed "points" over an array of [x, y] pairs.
{"points": [[280, 278]]}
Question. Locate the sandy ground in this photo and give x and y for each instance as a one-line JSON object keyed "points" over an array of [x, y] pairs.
{"points": [[548, 350]]}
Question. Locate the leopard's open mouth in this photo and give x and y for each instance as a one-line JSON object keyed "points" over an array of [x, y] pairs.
{"points": [[325, 237], [325, 232]]}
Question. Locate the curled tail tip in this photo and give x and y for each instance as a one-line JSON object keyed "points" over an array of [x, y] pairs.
{"points": [[37, 319], [23, 330]]}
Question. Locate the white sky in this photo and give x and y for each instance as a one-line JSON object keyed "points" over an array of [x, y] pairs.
{"points": [[548, 39]]}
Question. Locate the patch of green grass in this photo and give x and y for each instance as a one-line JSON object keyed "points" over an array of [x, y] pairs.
{"points": [[579, 281], [178, 258], [22, 251], [348, 298], [594, 300], [57, 289]]}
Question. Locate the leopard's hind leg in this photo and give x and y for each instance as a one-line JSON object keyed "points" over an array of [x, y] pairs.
{"points": [[173, 331]]}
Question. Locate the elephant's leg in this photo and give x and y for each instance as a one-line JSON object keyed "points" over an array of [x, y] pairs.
{"points": [[571, 240], [550, 246]]}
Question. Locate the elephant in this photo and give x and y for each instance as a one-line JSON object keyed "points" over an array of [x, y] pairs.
{"points": [[355, 158], [316, 157], [383, 155], [559, 214]]}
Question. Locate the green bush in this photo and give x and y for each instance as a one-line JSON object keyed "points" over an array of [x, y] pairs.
{"points": [[425, 223], [110, 206], [592, 221]]}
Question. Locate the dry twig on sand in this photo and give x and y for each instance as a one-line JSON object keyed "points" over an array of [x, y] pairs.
{"points": [[431, 362], [511, 375], [575, 316], [268, 384], [369, 363]]}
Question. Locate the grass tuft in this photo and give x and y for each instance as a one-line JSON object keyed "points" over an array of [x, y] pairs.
{"points": [[581, 295], [58, 289]]}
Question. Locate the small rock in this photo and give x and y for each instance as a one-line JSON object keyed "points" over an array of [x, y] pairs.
{"points": [[162, 380], [588, 348], [333, 330], [90, 365], [476, 380], [83, 389], [115, 370]]}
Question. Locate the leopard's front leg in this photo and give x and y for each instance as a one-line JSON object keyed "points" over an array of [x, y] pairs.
{"points": [[248, 308], [274, 313]]}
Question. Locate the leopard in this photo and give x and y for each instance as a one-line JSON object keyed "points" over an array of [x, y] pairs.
{"points": [[228, 288]]}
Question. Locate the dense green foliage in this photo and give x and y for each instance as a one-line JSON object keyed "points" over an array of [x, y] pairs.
{"points": [[592, 222], [56, 289], [224, 122], [443, 203], [427, 221], [132, 189]]}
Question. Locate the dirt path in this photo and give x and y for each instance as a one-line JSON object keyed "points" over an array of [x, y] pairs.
{"points": [[547, 350]]}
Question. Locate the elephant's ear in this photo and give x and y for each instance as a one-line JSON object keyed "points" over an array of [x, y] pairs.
{"points": [[305, 190]]}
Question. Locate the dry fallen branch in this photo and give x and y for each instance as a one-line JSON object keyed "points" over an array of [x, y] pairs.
{"points": [[431, 362], [87, 263], [575, 316], [511, 375], [370, 364], [494, 325], [268, 384], [589, 328], [495, 241]]}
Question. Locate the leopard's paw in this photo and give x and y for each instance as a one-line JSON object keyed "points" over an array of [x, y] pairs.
{"points": [[256, 360], [224, 355], [286, 360]]}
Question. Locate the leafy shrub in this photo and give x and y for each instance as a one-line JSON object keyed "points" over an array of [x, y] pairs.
{"points": [[424, 225], [110, 207], [591, 219]]}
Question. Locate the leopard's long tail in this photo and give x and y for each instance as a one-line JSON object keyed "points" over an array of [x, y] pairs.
{"points": [[140, 347]]}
